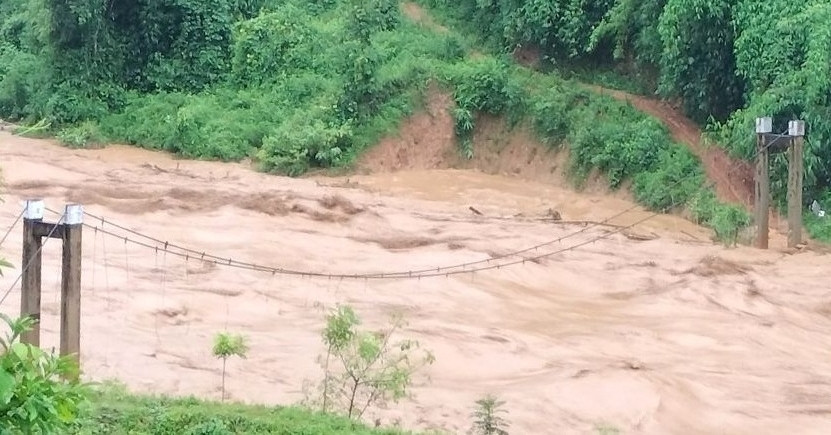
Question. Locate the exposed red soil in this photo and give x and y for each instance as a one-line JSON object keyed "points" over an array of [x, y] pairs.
{"points": [[424, 141], [732, 178], [415, 12], [427, 141]]}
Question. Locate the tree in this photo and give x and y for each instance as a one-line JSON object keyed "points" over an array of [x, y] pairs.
{"points": [[698, 63], [228, 345], [369, 367], [486, 418]]}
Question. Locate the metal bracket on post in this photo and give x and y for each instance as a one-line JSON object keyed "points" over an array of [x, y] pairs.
{"points": [[762, 185]]}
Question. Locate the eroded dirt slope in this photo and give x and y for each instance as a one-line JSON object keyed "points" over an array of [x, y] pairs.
{"points": [[732, 178], [426, 140]]}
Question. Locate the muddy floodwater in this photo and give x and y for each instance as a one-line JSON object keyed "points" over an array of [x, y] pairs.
{"points": [[653, 330]]}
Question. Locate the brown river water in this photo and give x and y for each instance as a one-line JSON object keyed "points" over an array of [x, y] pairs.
{"points": [[654, 330]]}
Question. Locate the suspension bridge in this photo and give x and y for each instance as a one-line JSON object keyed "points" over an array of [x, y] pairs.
{"points": [[150, 303]]}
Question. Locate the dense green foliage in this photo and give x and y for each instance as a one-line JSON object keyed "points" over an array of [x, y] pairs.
{"points": [[727, 61], [602, 133], [39, 392], [292, 84], [297, 85], [114, 412]]}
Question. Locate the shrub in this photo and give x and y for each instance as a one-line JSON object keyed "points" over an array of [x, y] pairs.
{"points": [[77, 101], [145, 120], [113, 411], [363, 368], [463, 127], [197, 133], [818, 227], [368, 17], [617, 145], [487, 420], [273, 45], [484, 85], [552, 112], [728, 221], [672, 182], [35, 394], [698, 61], [703, 206], [84, 135], [24, 83], [302, 140]]}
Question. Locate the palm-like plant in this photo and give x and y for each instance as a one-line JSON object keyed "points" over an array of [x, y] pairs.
{"points": [[486, 418]]}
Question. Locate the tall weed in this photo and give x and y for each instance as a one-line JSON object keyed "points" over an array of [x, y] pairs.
{"points": [[84, 135]]}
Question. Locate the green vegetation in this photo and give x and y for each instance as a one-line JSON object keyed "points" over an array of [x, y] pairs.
{"points": [[728, 62], [606, 429], [602, 134], [298, 85], [114, 412], [819, 226], [83, 135], [364, 369], [39, 392], [486, 418], [36, 398], [292, 84], [226, 346]]}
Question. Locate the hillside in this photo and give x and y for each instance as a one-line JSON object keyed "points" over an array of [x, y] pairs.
{"points": [[723, 62], [313, 86], [349, 138]]}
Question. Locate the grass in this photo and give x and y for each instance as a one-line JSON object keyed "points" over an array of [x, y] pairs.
{"points": [[819, 228], [112, 411]]}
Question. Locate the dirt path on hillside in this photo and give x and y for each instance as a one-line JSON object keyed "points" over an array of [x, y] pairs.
{"points": [[416, 13], [660, 332], [732, 178]]}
